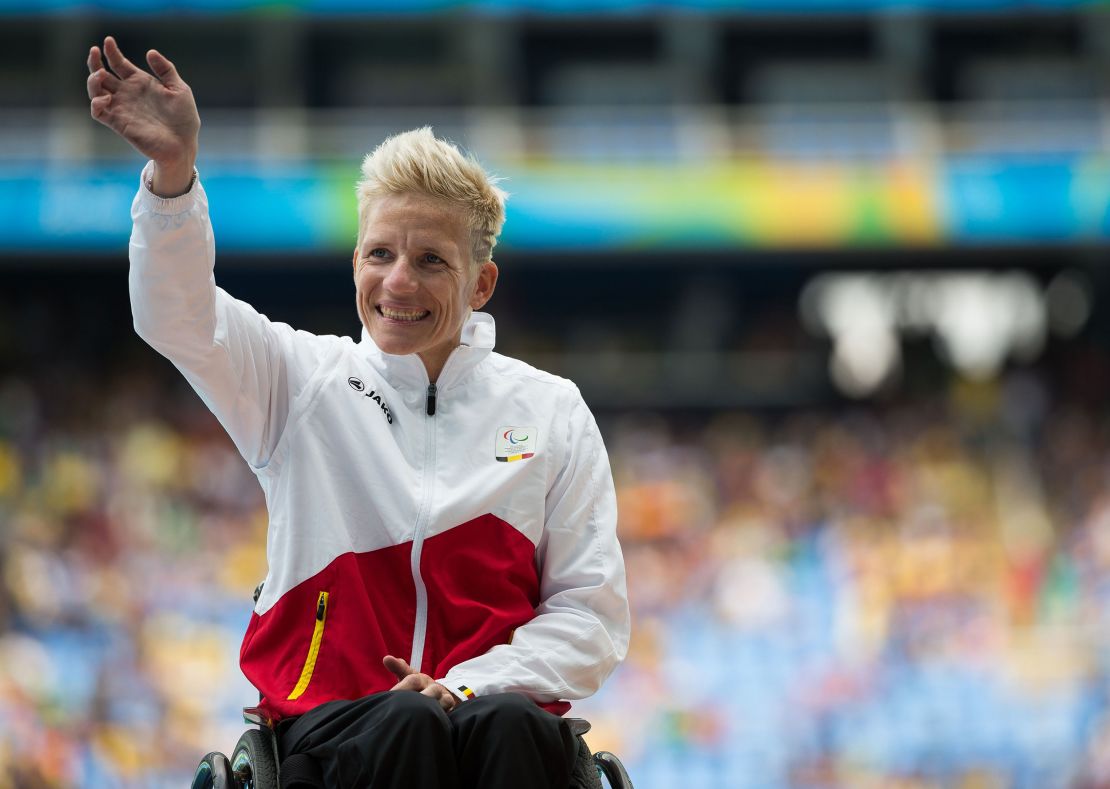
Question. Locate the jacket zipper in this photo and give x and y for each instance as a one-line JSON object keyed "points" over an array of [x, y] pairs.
{"points": [[313, 648], [420, 626], [431, 401]]}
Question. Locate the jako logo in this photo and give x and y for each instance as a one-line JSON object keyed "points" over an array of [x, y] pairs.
{"points": [[359, 386]]}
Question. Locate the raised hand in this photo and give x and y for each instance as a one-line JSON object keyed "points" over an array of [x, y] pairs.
{"points": [[155, 113], [410, 679]]}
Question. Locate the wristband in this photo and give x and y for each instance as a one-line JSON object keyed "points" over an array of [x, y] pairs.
{"points": [[150, 186]]}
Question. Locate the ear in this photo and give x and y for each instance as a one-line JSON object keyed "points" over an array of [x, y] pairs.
{"points": [[354, 261], [484, 285]]}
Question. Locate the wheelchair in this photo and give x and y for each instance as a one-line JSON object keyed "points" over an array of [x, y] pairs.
{"points": [[254, 762]]}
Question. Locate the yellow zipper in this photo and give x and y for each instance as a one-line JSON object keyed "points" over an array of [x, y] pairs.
{"points": [[313, 648]]}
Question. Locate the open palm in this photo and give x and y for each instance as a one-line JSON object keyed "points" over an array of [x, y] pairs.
{"points": [[155, 113]]}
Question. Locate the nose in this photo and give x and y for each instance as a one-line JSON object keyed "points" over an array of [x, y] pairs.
{"points": [[402, 276]]}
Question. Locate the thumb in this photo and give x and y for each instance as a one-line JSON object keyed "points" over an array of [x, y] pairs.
{"points": [[398, 667], [162, 68]]}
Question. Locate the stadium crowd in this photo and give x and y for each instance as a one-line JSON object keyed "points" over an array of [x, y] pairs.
{"points": [[912, 595]]}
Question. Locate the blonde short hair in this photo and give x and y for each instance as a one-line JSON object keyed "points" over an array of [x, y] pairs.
{"points": [[417, 161]]}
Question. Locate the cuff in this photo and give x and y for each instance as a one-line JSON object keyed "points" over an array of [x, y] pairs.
{"points": [[166, 205], [462, 692]]}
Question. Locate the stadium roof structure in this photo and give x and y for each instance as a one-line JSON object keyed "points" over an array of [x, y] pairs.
{"points": [[618, 7]]}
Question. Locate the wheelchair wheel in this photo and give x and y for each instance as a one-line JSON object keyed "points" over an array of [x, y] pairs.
{"points": [[585, 775], [610, 766], [253, 763], [213, 772]]}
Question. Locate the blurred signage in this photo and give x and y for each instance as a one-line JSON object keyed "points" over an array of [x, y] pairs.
{"points": [[744, 204]]}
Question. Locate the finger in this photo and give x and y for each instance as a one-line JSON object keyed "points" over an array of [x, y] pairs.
{"points": [[100, 82], [99, 107], [415, 682], [162, 68], [94, 61], [398, 667], [406, 684], [445, 697], [118, 63]]}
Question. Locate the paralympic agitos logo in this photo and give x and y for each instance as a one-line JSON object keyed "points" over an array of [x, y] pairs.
{"points": [[359, 386], [515, 442]]}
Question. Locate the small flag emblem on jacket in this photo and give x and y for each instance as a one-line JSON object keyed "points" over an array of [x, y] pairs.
{"points": [[515, 443]]}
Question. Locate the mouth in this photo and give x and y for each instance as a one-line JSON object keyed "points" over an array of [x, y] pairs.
{"points": [[402, 315]]}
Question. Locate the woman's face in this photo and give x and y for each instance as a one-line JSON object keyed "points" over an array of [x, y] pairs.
{"points": [[415, 278]]}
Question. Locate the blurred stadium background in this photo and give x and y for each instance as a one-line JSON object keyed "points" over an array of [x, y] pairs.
{"points": [[832, 274]]}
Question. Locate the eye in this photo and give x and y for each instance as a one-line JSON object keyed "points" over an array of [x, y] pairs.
{"points": [[431, 257], [377, 255]]}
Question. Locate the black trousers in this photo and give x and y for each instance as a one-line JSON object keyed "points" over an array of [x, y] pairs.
{"points": [[404, 740]]}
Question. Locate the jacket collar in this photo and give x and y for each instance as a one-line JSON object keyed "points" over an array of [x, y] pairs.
{"points": [[407, 371]]}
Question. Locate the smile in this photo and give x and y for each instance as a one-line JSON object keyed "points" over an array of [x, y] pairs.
{"points": [[395, 314]]}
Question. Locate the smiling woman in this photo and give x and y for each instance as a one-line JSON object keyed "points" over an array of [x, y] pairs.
{"points": [[429, 609], [428, 221], [416, 279]]}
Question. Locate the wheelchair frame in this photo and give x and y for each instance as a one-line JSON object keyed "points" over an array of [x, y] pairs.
{"points": [[216, 771]]}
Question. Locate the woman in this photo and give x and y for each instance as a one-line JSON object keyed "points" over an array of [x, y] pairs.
{"points": [[444, 573]]}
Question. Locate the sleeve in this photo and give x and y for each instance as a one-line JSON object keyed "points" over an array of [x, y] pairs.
{"points": [[246, 368], [581, 628]]}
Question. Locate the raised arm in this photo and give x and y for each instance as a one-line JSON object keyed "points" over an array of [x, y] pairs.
{"points": [[247, 369], [155, 113]]}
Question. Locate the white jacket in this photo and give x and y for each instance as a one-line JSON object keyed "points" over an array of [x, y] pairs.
{"points": [[478, 541]]}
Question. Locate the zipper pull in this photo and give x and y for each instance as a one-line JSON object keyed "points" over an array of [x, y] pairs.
{"points": [[321, 606], [431, 399]]}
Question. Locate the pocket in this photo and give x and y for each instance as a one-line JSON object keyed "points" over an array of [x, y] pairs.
{"points": [[313, 648]]}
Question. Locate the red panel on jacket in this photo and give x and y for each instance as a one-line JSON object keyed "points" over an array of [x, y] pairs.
{"points": [[371, 613], [482, 585]]}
